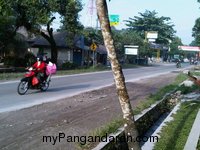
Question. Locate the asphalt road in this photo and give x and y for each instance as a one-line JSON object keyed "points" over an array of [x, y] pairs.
{"points": [[65, 86]]}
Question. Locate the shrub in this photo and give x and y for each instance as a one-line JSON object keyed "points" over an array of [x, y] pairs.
{"points": [[69, 65], [14, 61], [30, 58]]}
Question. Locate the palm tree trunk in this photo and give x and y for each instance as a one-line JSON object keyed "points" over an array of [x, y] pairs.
{"points": [[129, 124]]}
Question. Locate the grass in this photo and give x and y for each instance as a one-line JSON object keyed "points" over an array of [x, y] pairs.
{"points": [[174, 135], [198, 145]]}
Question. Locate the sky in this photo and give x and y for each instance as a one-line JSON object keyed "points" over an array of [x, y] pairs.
{"points": [[183, 13]]}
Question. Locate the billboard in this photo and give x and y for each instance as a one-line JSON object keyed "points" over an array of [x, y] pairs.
{"points": [[131, 50], [114, 20], [151, 34], [189, 48]]}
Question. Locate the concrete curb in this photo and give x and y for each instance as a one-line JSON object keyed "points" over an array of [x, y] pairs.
{"points": [[194, 135]]}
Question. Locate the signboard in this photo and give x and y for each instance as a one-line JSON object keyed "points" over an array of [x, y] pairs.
{"points": [[114, 20], [155, 46], [131, 50], [93, 46], [151, 34], [176, 56], [189, 48]]}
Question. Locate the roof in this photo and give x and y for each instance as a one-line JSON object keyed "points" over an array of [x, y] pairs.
{"points": [[101, 49], [60, 39]]}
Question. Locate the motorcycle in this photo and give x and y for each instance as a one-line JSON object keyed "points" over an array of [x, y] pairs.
{"points": [[30, 81], [178, 64]]}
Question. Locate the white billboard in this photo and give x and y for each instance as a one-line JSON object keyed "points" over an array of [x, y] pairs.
{"points": [[152, 34], [131, 50]]}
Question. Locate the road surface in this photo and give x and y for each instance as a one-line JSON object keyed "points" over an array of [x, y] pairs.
{"points": [[65, 86]]}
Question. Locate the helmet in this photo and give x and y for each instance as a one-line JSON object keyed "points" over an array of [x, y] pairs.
{"points": [[39, 58]]}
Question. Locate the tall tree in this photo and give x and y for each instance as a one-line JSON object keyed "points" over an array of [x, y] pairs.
{"points": [[196, 31], [129, 124], [149, 21], [33, 14], [70, 15]]}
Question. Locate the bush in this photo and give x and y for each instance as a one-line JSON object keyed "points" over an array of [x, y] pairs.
{"points": [[185, 90], [30, 58], [14, 61], [69, 65]]}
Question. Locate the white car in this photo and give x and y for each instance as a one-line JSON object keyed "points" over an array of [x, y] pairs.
{"points": [[185, 60]]}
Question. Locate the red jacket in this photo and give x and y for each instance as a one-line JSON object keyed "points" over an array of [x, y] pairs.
{"points": [[40, 67]]}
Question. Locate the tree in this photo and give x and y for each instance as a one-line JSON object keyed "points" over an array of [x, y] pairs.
{"points": [[148, 21], [125, 37], [69, 16], [174, 47], [49, 37], [196, 31], [33, 14], [129, 124]]}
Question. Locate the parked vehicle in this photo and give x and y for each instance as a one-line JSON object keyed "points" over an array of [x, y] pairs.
{"points": [[30, 81]]}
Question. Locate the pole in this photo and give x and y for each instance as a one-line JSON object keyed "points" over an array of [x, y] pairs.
{"points": [[93, 59]]}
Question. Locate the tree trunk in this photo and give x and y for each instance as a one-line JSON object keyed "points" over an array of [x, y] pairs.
{"points": [[129, 124], [50, 39]]}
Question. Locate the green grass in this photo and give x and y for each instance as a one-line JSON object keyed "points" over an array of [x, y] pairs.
{"points": [[198, 145], [174, 135], [9, 76]]}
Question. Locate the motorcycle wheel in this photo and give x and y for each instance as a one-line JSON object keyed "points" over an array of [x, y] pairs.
{"points": [[22, 87], [44, 86]]}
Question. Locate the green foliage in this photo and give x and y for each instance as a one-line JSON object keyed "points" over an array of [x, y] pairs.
{"points": [[196, 32], [174, 46], [69, 66], [150, 22], [126, 37], [70, 18], [30, 59], [14, 61]]}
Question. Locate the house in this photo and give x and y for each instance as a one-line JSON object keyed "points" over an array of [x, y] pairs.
{"points": [[101, 54], [40, 45], [78, 55]]}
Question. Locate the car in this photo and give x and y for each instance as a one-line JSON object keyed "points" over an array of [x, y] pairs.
{"points": [[185, 60]]}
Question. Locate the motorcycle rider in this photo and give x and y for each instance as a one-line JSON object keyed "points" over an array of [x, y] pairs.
{"points": [[40, 67], [178, 63]]}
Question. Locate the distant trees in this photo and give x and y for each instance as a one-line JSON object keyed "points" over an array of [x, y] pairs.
{"points": [[196, 31]]}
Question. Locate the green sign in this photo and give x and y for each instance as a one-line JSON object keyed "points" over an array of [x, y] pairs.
{"points": [[114, 20]]}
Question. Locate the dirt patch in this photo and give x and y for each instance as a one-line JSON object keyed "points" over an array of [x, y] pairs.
{"points": [[77, 115]]}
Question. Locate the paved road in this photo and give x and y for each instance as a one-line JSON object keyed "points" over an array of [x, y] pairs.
{"points": [[69, 85]]}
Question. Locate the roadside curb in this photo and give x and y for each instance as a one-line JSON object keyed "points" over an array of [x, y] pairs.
{"points": [[194, 135]]}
